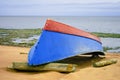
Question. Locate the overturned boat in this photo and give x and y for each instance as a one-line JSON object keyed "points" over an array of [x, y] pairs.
{"points": [[59, 41]]}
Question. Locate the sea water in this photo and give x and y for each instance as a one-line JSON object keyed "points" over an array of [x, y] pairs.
{"points": [[91, 24]]}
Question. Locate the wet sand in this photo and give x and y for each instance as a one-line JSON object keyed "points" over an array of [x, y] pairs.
{"points": [[85, 70]]}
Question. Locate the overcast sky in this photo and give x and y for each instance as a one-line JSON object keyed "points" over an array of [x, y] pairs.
{"points": [[59, 7]]}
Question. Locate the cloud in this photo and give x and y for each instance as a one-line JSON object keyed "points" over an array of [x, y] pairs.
{"points": [[59, 8]]}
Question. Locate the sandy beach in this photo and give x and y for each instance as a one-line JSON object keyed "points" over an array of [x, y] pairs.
{"points": [[85, 70]]}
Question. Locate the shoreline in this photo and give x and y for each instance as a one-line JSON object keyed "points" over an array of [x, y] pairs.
{"points": [[27, 38]]}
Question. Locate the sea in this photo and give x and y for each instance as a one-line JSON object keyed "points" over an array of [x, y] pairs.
{"points": [[104, 24], [91, 23]]}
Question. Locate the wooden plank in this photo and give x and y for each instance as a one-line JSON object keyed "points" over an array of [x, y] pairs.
{"points": [[104, 63], [61, 67]]}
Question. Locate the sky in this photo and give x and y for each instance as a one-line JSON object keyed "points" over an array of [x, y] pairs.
{"points": [[59, 7]]}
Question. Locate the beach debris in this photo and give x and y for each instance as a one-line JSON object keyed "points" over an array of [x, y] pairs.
{"points": [[23, 53], [60, 67], [104, 63]]}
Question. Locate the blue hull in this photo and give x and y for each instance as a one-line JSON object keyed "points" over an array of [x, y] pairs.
{"points": [[53, 46]]}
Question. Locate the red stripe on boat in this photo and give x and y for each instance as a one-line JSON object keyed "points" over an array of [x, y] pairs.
{"points": [[63, 28]]}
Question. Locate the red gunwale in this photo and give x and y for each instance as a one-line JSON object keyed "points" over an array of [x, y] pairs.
{"points": [[63, 28]]}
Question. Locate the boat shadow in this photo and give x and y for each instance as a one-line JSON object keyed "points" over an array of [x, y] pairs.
{"points": [[82, 61]]}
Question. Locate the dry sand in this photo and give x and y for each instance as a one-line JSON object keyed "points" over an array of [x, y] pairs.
{"points": [[85, 70]]}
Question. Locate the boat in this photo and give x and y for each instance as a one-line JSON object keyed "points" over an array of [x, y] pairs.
{"points": [[60, 41]]}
